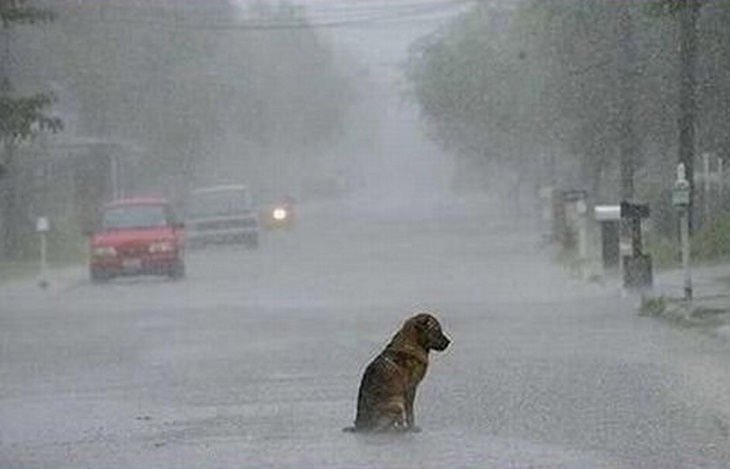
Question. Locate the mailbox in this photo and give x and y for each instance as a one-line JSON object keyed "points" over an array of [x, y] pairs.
{"points": [[634, 211], [609, 217], [637, 267]]}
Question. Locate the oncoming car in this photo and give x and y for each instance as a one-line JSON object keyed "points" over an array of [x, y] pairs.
{"points": [[137, 236], [221, 214], [280, 215]]}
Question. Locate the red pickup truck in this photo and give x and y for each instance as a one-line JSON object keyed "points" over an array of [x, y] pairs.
{"points": [[137, 236]]}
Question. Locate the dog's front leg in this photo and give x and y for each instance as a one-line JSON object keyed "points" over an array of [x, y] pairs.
{"points": [[392, 417], [410, 416]]}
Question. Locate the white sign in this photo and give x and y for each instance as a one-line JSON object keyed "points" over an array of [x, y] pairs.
{"points": [[681, 172], [42, 225]]}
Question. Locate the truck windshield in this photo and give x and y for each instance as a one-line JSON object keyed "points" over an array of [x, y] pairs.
{"points": [[223, 203], [134, 216]]}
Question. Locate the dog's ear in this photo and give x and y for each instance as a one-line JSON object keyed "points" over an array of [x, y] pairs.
{"points": [[425, 321], [420, 322], [427, 327]]}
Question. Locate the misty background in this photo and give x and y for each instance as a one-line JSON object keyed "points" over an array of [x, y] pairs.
{"points": [[387, 104]]}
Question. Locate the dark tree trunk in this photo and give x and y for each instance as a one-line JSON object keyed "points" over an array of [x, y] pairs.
{"points": [[11, 220]]}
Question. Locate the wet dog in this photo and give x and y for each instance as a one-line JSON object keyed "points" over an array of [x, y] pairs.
{"points": [[388, 386]]}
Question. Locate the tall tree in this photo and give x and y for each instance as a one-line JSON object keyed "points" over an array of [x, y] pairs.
{"points": [[20, 117], [202, 87], [473, 88], [596, 85]]}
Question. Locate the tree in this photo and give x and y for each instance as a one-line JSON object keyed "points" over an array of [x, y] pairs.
{"points": [[475, 92], [591, 81], [540, 79], [190, 82], [20, 118]]}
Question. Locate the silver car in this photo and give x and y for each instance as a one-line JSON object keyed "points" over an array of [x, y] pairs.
{"points": [[221, 214]]}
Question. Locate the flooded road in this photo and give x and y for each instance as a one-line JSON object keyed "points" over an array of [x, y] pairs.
{"points": [[254, 359]]}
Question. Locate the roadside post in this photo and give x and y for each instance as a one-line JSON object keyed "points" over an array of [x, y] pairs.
{"points": [[609, 217], [637, 267], [42, 227], [720, 179], [576, 231], [680, 200], [581, 209]]}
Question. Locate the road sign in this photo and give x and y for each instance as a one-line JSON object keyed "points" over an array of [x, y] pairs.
{"points": [[42, 225]]}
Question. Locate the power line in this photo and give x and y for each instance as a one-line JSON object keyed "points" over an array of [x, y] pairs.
{"points": [[410, 12]]}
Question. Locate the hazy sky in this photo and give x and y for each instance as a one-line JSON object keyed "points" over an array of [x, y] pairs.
{"points": [[405, 166]]}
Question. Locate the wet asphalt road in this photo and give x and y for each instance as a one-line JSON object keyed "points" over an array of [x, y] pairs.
{"points": [[254, 360]]}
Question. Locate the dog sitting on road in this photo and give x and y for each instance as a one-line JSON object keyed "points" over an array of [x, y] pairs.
{"points": [[388, 386]]}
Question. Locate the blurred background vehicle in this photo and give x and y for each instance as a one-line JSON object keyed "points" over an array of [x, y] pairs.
{"points": [[137, 236], [221, 214], [280, 215]]}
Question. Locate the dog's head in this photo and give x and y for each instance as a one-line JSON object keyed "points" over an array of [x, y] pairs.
{"points": [[428, 329]]}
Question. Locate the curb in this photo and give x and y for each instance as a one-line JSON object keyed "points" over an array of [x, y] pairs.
{"points": [[711, 313]]}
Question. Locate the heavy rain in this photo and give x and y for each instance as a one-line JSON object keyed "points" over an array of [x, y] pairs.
{"points": [[216, 214]]}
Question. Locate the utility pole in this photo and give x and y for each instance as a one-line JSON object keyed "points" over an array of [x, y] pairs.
{"points": [[627, 71], [8, 182], [688, 38], [681, 197], [629, 245]]}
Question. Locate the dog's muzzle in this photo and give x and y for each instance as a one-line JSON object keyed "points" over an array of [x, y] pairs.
{"points": [[441, 343]]}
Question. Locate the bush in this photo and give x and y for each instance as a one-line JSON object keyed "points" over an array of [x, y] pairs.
{"points": [[709, 244], [65, 244], [665, 252], [713, 241]]}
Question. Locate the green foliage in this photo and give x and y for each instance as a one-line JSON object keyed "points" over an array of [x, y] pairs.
{"points": [[712, 242], [472, 84], [652, 306], [659, 8], [709, 244], [15, 270], [190, 85], [65, 244], [506, 85], [662, 7], [665, 252], [17, 12], [551, 77], [20, 116]]}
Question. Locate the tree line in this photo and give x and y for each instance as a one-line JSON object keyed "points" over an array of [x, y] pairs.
{"points": [[180, 79], [581, 89]]}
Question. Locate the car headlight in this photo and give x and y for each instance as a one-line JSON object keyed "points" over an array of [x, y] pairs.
{"points": [[279, 213], [103, 251], [161, 246]]}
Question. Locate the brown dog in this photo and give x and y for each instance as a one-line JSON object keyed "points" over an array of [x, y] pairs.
{"points": [[388, 386]]}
